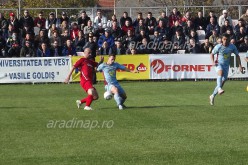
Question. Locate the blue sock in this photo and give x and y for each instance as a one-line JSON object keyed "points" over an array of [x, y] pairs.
{"points": [[117, 98], [219, 84]]}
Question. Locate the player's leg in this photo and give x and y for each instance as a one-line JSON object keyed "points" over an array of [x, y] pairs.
{"points": [[225, 76], [122, 94], [218, 88], [117, 97]]}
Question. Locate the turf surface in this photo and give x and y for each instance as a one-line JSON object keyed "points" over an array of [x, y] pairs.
{"points": [[166, 123]]}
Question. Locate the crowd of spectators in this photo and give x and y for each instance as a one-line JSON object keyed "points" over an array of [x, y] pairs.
{"points": [[145, 34]]}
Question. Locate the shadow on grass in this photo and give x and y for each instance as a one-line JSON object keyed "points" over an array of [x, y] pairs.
{"points": [[143, 107]]}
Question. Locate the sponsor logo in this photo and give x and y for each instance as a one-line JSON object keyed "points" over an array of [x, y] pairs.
{"points": [[158, 66], [141, 67]]}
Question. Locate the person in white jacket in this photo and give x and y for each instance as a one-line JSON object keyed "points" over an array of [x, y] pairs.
{"points": [[224, 17], [100, 21]]}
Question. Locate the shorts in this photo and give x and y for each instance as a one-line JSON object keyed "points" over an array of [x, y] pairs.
{"points": [[224, 68], [120, 89], [86, 85]]}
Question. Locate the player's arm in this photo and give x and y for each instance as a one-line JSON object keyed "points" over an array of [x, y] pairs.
{"points": [[214, 51], [212, 59], [246, 59], [69, 75], [132, 71]]}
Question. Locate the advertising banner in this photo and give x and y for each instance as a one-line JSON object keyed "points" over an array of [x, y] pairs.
{"points": [[30, 70]]}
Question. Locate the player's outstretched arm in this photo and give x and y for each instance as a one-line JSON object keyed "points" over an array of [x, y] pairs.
{"points": [[212, 59], [69, 75], [132, 71]]}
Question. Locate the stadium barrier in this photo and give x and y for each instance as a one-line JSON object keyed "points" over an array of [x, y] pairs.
{"points": [[153, 66]]}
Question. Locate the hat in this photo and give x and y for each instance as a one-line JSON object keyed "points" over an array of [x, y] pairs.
{"points": [[246, 37], [12, 14], [52, 13], [224, 11]]}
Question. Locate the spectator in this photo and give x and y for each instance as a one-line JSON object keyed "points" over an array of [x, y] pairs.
{"points": [[83, 20], [64, 26], [241, 35], [3, 46], [226, 26], [175, 16], [106, 37], [193, 35], [74, 31], [166, 47], [124, 18], [244, 46], [4, 26], [162, 29], [27, 50], [212, 26], [214, 37], [140, 26], [164, 19], [230, 33], [79, 41], [110, 22], [127, 27], [145, 48], [212, 15], [27, 19], [245, 17], [200, 21], [89, 28], [176, 27], [150, 23], [105, 49], [69, 49], [11, 31], [157, 38], [116, 31], [128, 39], [14, 23], [15, 50], [52, 20], [52, 30], [119, 49], [29, 37], [40, 20], [142, 35], [13, 40], [56, 50], [224, 17], [187, 17], [178, 41], [63, 18], [65, 36], [100, 22], [241, 23], [233, 41], [206, 47], [91, 45], [41, 38], [44, 51], [38, 28], [193, 47], [188, 28], [56, 37], [131, 51], [136, 21], [26, 29]]}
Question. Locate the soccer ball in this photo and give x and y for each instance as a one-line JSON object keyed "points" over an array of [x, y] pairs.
{"points": [[107, 95]]}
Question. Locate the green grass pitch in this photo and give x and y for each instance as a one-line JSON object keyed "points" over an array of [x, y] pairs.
{"points": [[166, 123]]}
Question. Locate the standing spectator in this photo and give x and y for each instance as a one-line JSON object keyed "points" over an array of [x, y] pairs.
{"points": [[52, 20], [88, 29], [226, 26], [83, 20], [74, 31], [206, 47], [55, 37], [245, 17], [212, 26], [187, 17], [27, 19], [150, 23], [127, 27], [136, 21], [241, 22], [40, 20], [164, 19], [56, 50], [124, 18], [4, 26], [44, 51], [15, 50], [100, 22], [214, 37], [119, 49], [224, 17], [174, 16], [200, 21], [212, 15], [106, 37], [91, 45], [244, 46], [69, 49], [14, 23], [27, 50]]}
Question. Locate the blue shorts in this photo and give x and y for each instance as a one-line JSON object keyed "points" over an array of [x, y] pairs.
{"points": [[120, 89], [224, 68]]}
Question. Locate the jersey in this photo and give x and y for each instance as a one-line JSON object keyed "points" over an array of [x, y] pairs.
{"points": [[86, 67], [109, 71], [224, 53]]}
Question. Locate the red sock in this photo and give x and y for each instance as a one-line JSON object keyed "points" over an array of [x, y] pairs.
{"points": [[84, 100], [89, 100]]}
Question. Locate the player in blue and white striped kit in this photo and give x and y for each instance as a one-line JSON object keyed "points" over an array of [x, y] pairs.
{"points": [[109, 70], [223, 51]]}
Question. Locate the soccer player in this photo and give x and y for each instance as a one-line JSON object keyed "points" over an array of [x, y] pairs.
{"points": [[87, 67], [224, 51], [111, 84]]}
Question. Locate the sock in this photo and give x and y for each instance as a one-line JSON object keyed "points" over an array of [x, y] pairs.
{"points": [[122, 100], [89, 100], [84, 100], [219, 84], [117, 98]]}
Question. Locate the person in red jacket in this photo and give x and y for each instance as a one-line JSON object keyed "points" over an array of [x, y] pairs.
{"points": [[175, 16], [74, 31], [127, 26]]}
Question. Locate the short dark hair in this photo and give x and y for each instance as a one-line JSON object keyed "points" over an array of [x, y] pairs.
{"points": [[226, 35], [112, 55]]}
